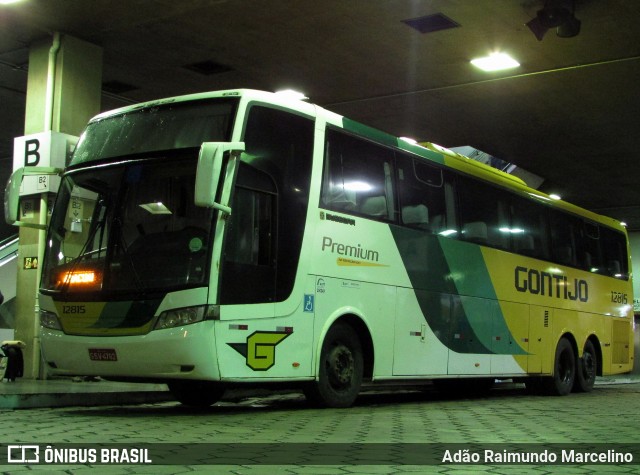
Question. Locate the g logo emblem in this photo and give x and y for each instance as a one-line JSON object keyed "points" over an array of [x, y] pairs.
{"points": [[260, 349]]}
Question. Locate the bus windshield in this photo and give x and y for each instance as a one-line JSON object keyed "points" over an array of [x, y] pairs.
{"points": [[125, 220], [168, 126], [129, 228]]}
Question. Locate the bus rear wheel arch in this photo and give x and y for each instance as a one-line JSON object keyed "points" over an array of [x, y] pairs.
{"points": [[340, 369]]}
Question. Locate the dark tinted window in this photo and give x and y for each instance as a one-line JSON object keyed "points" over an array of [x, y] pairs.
{"points": [[269, 207], [422, 189], [529, 228], [358, 177], [614, 251], [484, 213]]}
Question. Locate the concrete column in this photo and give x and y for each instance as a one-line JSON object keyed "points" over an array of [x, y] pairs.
{"points": [[77, 79]]}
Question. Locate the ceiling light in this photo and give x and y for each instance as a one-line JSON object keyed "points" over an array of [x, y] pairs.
{"points": [[495, 62], [155, 208], [291, 94]]}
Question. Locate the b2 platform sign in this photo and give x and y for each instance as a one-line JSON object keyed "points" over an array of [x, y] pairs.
{"points": [[45, 149]]}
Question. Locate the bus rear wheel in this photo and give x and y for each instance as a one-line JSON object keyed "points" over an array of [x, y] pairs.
{"points": [[196, 393], [564, 371], [586, 369], [340, 369]]}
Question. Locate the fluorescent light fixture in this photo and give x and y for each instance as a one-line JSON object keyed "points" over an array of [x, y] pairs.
{"points": [[357, 186], [291, 94], [495, 62], [155, 208], [512, 230]]}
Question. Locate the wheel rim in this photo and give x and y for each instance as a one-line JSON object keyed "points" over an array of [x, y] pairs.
{"points": [[588, 366], [340, 367], [565, 368]]}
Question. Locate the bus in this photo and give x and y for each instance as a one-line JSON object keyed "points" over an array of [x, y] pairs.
{"points": [[240, 237]]}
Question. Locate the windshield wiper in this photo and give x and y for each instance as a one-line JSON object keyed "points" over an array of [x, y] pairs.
{"points": [[122, 244]]}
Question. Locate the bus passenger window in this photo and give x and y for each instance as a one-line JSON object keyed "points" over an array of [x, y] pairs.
{"points": [[358, 177], [614, 250], [590, 255], [484, 214], [528, 229], [422, 195], [565, 232]]}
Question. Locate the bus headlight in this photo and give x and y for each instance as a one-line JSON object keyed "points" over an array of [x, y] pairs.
{"points": [[49, 320], [183, 316]]}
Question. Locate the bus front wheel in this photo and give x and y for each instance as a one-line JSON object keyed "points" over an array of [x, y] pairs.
{"points": [[340, 369], [564, 370], [196, 393]]}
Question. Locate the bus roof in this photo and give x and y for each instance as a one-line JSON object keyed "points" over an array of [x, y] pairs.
{"points": [[427, 150]]}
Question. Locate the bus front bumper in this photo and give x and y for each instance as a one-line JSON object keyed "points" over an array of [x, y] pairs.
{"points": [[186, 352]]}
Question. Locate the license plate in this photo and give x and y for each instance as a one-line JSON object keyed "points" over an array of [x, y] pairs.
{"points": [[102, 354]]}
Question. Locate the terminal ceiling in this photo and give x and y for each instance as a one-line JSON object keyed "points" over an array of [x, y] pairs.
{"points": [[570, 113]]}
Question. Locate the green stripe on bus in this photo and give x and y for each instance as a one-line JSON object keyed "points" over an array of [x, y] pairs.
{"points": [[471, 278], [436, 292], [454, 290], [369, 132]]}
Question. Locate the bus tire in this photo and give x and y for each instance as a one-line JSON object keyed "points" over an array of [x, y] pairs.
{"points": [[340, 369], [196, 393], [586, 369], [564, 370]]}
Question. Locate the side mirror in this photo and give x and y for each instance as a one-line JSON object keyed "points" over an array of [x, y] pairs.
{"points": [[12, 191], [208, 174], [12, 197]]}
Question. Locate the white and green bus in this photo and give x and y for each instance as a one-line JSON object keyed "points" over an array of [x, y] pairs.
{"points": [[241, 237]]}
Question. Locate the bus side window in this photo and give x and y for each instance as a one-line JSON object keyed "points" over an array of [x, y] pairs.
{"points": [[529, 234], [590, 254], [422, 195], [483, 213], [273, 191], [564, 236], [249, 270], [358, 177], [614, 249]]}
